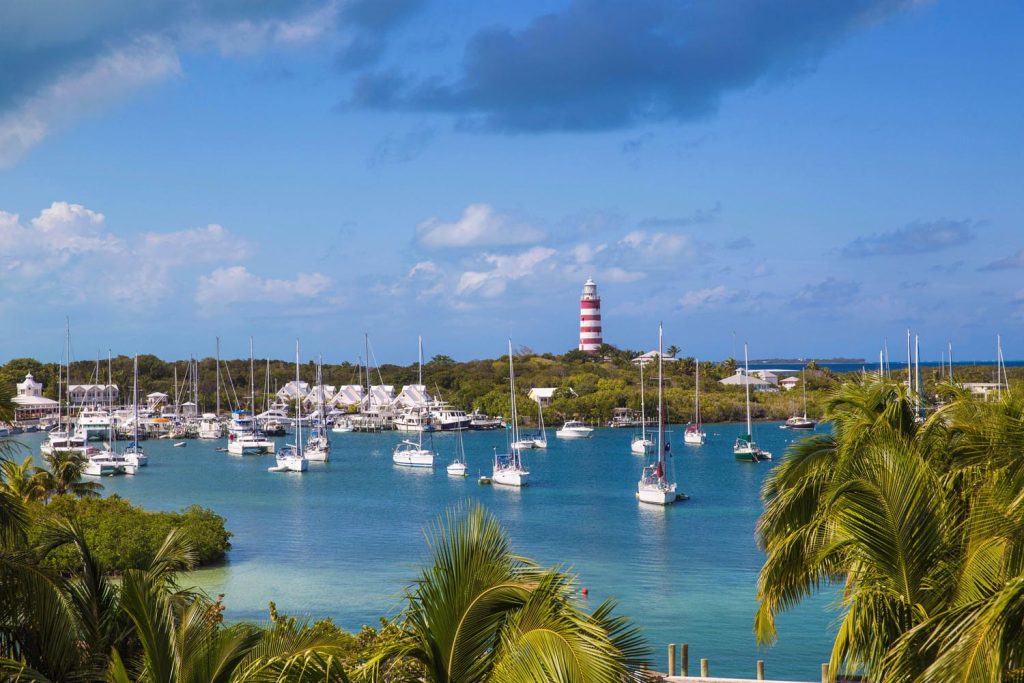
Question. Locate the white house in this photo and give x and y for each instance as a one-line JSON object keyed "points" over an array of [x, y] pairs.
{"points": [[740, 379], [542, 395], [156, 399], [982, 389], [645, 358], [413, 396], [380, 398], [93, 394], [29, 402], [789, 383], [313, 397], [348, 395], [293, 390]]}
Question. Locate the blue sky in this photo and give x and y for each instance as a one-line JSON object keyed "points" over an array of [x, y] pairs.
{"points": [[811, 176]]}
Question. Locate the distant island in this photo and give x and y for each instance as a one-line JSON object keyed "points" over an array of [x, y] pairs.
{"points": [[791, 361]]}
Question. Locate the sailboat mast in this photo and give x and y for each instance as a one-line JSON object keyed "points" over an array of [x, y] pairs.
{"points": [[696, 386], [110, 400], [803, 383], [218, 376], [252, 379], [298, 404], [135, 398], [661, 408], [950, 362], [512, 396], [746, 385], [910, 379], [366, 355], [419, 360], [917, 374], [643, 408]]}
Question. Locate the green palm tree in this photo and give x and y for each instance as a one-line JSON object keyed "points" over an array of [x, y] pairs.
{"points": [[65, 475], [24, 480], [480, 613], [922, 523]]}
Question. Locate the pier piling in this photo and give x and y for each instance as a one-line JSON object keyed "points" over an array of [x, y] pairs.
{"points": [[760, 669], [672, 659], [825, 678], [704, 668], [684, 659]]}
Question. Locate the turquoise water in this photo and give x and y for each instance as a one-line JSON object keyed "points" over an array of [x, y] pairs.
{"points": [[344, 539]]}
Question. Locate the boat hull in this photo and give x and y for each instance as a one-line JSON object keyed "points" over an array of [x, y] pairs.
{"points": [[457, 469], [240, 447], [694, 438], [642, 446], [510, 477], [656, 495], [413, 458], [573, 434]]}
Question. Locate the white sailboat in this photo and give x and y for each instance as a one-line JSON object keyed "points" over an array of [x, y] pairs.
{"points": [[642, 444], [540, 440], [318, 448], [244, 435], [508, 467], [804, 422], [291, 458], [655, 486], [412, 453], [694, 435], [745, 448], [458, 468]]}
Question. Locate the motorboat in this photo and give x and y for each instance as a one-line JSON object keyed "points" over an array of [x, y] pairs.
{"points": [[101, 464], [210, 427], [342, 425], [414, 420], [244, 438], [801, 422], [60, 441], [574, 429], [274, 427], [95, 425], [445, 418], [479, 421]]}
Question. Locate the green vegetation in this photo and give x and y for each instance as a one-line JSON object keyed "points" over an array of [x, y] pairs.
{"points": [[590, 386], [478, 613], [123, 536], [921, 523]]}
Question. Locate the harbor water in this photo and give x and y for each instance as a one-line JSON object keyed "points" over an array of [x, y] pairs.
{"points": [[345, 538]]}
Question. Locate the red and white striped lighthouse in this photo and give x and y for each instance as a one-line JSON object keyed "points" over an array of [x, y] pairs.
{"points": [[590, 318]]}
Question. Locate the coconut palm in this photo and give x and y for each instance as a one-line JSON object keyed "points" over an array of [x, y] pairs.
{"points": [[480, 613], [922, 523], [65, 475], [24, 480]]}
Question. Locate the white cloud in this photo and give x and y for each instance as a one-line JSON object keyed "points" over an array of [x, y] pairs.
{"points": [[248, 36], [658, 245], [479, 226], [585, 253], [504, 269], [708, 297], [108, 78], [212, 243], [72, 227], [225, 287]]}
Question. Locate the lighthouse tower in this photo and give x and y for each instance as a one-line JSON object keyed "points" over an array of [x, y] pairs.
{"points": [[590, 318]]}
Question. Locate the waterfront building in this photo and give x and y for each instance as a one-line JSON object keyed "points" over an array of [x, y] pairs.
{"points": [[789, 383], [741, 378], [542, 395], [155, 400], [293, 390], [29, 402], [348, 396], [105, 395], [645, 358], [380, 398], [413, 396], [590, 318]]}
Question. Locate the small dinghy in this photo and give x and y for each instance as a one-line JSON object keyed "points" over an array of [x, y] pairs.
{"points": [[180, 444], [485, 480]]}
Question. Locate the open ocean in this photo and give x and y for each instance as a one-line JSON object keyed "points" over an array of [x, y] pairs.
{"points": [[343, 539]]}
